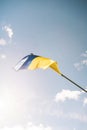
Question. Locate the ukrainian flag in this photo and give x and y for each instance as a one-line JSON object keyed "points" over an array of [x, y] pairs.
{"points": [[33, 62]]}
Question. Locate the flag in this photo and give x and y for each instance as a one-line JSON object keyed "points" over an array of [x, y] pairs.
{"points": [[33, 62]]}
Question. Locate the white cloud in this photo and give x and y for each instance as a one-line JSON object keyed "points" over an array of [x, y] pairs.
{"points": [[84, 54], [2, 42], [30, 126], [69, 115], [77, 116], [67, 94], [82, 63], [78, 66], [37, 127], [9, 31], [3, 56], [85, 101]]}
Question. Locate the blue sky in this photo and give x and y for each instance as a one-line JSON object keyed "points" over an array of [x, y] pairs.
{"points": [[43, 100]]}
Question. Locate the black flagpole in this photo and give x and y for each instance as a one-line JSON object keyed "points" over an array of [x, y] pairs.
{"points": [[73, 82]]}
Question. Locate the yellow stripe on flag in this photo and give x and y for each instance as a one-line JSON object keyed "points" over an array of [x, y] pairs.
{"points": [[44, 63]]}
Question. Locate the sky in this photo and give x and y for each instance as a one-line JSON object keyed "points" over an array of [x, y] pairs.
{"points": [[42, 99]]}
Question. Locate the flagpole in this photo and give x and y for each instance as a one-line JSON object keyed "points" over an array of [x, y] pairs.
{"points": [[73, 82]]}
